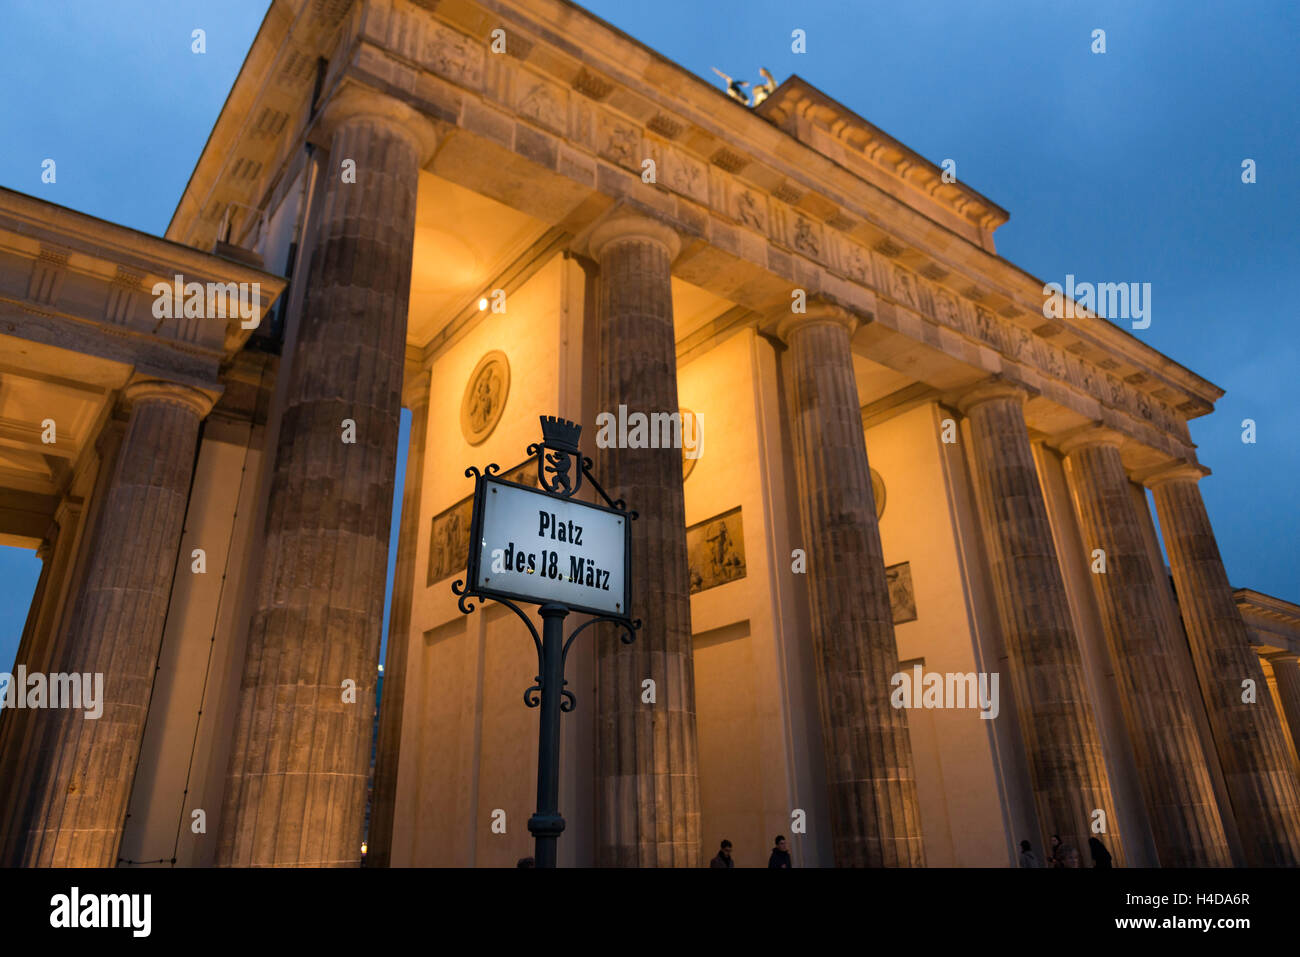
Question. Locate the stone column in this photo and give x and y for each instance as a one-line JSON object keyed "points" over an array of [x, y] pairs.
{"points": [[1176, 784], [393, 697], [72, 811], [16, 724], [76, 521], [1066, 765], [647, 757], [875, 819], [296, 789], [1286, 669], [1248, 735]]}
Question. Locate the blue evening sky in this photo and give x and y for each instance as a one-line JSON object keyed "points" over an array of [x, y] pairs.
{"points": [[1122, 166]]}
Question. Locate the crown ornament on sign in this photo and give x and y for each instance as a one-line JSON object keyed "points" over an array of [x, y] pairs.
{"points": [[557, 454], [560, 434]]}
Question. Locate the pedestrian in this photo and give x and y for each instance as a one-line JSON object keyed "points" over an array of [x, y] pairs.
{"points": [[1063, 855], [526, 862], [1027, 856], [723, 858], [780, 855], [1100, 856]]}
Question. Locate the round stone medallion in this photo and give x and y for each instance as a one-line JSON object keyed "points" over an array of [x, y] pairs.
{"points": [[485, 397], [878, 493]]}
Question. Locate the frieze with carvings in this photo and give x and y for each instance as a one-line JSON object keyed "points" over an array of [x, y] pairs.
{"points": [[684, 174], [856, 263], [540, 101], [807, 237], [462, 60], [749, 208], [1055, 362], [1011, 340], [945, 309], [619, 141], [1018, 345], [987, 328], [451, 54]]}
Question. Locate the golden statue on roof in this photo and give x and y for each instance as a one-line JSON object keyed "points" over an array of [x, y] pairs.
{"points": [[736, 88]]}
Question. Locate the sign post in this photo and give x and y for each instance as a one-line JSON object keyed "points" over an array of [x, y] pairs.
{"points": [[547, 548]]}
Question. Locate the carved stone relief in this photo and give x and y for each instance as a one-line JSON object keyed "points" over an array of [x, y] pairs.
{"points": [[750, 209], [716, 551], [485, 397], [945, 307], [986, 327], [540, 101], [856, 264], [686, 175], [619, 142], [807, 237], [449, 531], [453, 55], [878, 493], [902, 597], [902, 286]]}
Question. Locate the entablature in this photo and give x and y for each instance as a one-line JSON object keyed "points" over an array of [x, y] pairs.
{"points": [[79, 283], [569, 118]]}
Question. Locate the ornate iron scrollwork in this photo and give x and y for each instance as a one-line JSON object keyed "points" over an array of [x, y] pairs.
{"points": [[561, 470], [533, 695]]}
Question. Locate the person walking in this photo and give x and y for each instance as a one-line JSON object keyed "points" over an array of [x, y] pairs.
{"points": [[723, 858], [1100, 856], [780, 854], [1027, 856], [1063, 855]]}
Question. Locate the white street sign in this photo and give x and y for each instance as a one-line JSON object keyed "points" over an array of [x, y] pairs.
{"points": [[539, 548]]}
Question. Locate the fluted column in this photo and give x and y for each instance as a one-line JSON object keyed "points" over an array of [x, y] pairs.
{"points": [[1286, 669], [393, 698], [1158, 710], [296, 789], [875, 817], [72, 810], [33, 651], [1063, 747], [20, 742], [1247, 734], [647, 757]]}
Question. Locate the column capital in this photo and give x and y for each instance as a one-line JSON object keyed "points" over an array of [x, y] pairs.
{"points": [[160, 390], [818, 311], [628, 225], [1179, 471], [990, 390], [415, 385], [68, 510], [355, 102], [1087, 436]]}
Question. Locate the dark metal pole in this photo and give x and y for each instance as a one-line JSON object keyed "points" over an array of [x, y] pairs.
{"points": [[547, 824]]}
